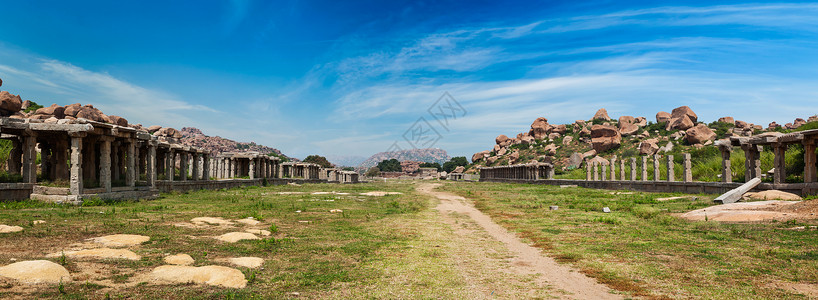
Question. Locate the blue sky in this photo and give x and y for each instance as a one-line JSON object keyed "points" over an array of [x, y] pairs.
{"points": [[350, 77]]}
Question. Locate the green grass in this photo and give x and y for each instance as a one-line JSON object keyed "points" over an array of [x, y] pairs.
{"points": [[642, 248]]}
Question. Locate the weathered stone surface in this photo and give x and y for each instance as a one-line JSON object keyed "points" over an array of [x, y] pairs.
{"points": [[501, 152], [579, 123], [662, 117], [727, 120], [736, 193], [248, 221], [626, 129], [681, 123], [742, 124], [480, 155], [550, 149], [9, 104], [605, 137], [247, 262], [575, 160], [459, 169], [699, 134], [210, 275], [179, 260], [8, 229], [601, 114], [626, 119], [154, 128], [232, 237], [772, 195], [120, 240], [798, 122], [585, 131], [36, 271], [26, 104], [553, 136], [53, 110], [502, 140], [117, 120], [72, 109], [684, 111], [526, 140], [567, 140], [561, 129], [773, 125], [599, 160], [589, 153], [100, 253], [539, 129], [640, 121], [648, 147], [491, 160], [168, 132], [666, 148], [211, 221], [92, 113], [514, 156]]}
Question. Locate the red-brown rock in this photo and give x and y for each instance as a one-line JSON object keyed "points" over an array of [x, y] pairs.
{"points": [[626, 129], [662, 117], [604, 138], [501, 140], [773, 125], [540, 128], [53, 110], [648, 147], [699, 134], [601, 114], [684, 111], [117, 120], [681, 123], [727, 120], [169, 132], [798, 122], [92, 113], [9, 104], [626, 119], [73, 109], [561, 129]]}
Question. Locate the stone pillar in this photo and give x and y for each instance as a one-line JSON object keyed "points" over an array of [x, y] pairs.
{"points": [[150, 168], [688, 169], [596, 171], [726, 168], [604, 172], [644, 168], [752, 163], [15, 161], [252, 169], [142, 154], [115, 161], [197, 159], [130, 173], [183, 166], [622, 170], [29, 159], [206, 166], [809, 161], [656, 171], [61, 157], [588, 176], [671, 174], [780, 163], [613, 167], [45, 160], [75, 181], [105, 163], [170, 164], [633, 168]]}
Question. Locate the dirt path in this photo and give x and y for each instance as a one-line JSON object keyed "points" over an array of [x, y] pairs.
{"points": [[526, 259]]}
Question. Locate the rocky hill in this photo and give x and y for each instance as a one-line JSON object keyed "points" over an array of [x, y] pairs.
{"points": [[567, 145], [417, 155], [192, 136]]}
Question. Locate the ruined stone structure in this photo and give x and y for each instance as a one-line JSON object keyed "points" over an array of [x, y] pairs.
{"points": [[530, 171], [88, 159], [338, 176]]}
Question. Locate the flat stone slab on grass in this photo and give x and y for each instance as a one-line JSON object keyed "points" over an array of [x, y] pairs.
{"points": [[380, 193], [259, 232], [101, 253], [179, 260], [247, 262], [10, 229], [120, 240], [232, 237], [743, 212], [771, 195], [249, 221], [211, 221], [211, 275], [36, 271]]}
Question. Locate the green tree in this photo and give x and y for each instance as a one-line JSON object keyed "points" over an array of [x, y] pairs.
{"points": [[372, 172], [455, 162], [389, 165], [348, 169], [318, 160]]}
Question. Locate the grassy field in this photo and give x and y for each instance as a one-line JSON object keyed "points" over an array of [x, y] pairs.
{"points": [[642, 248], [377, 247]]}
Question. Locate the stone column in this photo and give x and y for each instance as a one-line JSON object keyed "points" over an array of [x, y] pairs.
{"points": [[130, 173], [142, 154], [29, 159], [15, 161], [105, 163], [170, 164], [726, 168], [613, 167], [183, 166], [252, 169], [75, 181], [150, 168], [780, 163], [633, 168], [604, 172], [688, 169], [61, 169], [809, 161], [656, 171], [596, 171], [644, 168], [206, 166], [197, 159], [752, 163], [671, 174], [115, 161], [46, 157], [588, 176], [622, 170]]}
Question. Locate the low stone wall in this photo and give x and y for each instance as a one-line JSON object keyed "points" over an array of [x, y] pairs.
{"points": [[15, 191], [279, 181], [193, 185], [657, 186]]}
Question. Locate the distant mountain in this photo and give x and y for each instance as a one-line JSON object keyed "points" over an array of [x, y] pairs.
{"points": [[192, 136], [422, 155], [346, 160]]}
